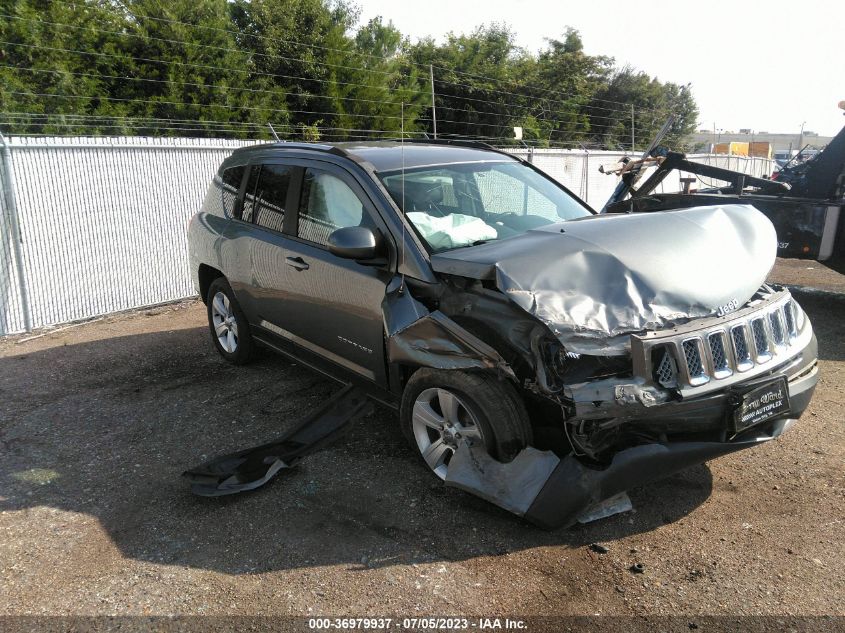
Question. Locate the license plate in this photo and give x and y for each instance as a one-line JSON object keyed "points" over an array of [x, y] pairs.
{"points": [[761, 404]]}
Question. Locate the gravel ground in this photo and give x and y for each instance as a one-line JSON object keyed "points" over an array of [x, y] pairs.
{"points": [[98, 421]]}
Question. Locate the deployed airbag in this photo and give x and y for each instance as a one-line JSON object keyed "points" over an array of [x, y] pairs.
{"points": [[451, 231]]}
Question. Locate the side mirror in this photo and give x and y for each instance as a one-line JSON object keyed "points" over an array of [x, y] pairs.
{"points": [[355, 242]]}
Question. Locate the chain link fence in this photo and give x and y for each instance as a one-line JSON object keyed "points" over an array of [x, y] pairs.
{"points": [[91, 226]]}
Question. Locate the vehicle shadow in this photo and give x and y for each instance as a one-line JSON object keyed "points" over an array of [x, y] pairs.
{"points": [[105, 428]]}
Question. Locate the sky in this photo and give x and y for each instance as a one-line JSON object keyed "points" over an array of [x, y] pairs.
{"points": [[768, 66]]}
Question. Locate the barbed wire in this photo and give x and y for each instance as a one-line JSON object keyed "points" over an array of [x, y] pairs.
{"points": [[206, 126]]}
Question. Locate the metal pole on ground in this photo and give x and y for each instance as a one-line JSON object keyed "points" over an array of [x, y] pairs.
{"points": [[15, 230]]}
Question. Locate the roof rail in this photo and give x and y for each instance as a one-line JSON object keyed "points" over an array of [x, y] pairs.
{"points": [[441, 141], [317, 147], [460, 142]]}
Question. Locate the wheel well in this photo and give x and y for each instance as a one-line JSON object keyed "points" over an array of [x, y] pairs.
{"points": [[207, 274]]}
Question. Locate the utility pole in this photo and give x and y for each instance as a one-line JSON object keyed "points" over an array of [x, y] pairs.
{"points": [[632, 128], [433, 111], [801, 137]]}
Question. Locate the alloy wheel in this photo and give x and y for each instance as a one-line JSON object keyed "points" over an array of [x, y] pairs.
{"points": [[440, 419], [224, 322]]}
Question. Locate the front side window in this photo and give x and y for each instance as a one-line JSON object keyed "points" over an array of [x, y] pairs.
{"points": [[328, 204], [270, 198], [458, 205]]}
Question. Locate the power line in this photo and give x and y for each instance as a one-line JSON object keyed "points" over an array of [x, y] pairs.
{"points": [[203, 66], [356, 53], [265, 37], [302, 95], [196, 85], [513, 83], [200, 105], [148, 123], [279, 92], [249, 54], [314, 62]]}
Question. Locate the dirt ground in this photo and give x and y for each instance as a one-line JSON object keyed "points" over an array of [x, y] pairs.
{"points": [[98, 421]]}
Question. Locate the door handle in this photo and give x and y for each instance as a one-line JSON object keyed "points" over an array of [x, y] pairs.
{"points": [[297, 262]]}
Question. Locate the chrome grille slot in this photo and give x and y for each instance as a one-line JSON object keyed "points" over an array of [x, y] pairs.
{"points": [[695, 365], [761, 340], [741, 351], [789, 319], [777, 327], [719, 355]]}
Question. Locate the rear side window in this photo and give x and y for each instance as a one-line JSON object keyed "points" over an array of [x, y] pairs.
{"points": [[328, 204], [271, 194], [232, 178]]}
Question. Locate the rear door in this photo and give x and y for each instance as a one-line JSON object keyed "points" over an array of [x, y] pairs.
{"points": [[257, 240], [332, 305]]}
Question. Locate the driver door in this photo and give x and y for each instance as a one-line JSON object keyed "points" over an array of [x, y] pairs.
{"points": [[333, 306]]}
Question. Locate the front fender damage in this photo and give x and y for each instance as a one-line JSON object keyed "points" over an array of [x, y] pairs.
{"points": [[418, 337]]}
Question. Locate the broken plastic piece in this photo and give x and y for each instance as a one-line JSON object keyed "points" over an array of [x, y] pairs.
{"points": [[617, 504], [253, 467], [512, 486]]}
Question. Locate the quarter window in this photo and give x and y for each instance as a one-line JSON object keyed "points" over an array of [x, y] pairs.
{"points": [[271, 196], [232, 178], [328, 204], [249, 194]]}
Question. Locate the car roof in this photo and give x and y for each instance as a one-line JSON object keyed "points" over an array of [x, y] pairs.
{"points": [[387, 156]]}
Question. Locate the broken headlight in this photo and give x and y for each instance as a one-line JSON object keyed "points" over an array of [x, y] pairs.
{"points": [[571, 368]]}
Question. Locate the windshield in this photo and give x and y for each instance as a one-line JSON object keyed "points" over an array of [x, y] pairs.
{"points": [[458, 205]]}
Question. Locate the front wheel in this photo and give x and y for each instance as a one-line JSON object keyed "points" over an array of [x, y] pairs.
{"points": [[229, 328], [441, 408]]}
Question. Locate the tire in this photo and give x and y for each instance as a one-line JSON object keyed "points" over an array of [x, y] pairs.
{"points": [[478, 406], [229, 328]]}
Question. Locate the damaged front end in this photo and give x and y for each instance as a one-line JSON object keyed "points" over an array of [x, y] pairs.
{"points": [[646, 362]]}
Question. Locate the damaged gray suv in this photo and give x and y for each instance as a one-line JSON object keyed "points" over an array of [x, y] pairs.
{"points": [[540, 355]]}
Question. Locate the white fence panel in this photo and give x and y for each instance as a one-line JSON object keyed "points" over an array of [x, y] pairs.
{"points": [[103, 220]]}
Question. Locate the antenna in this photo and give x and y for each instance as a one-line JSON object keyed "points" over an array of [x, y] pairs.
{"points": [[405, 218], [275, 136]]}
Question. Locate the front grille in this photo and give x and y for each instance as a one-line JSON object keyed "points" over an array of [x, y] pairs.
{"points": [[742, 345]]}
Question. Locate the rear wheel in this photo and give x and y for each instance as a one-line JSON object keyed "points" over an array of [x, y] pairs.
{"points": [[229, 328], [441, 408]]}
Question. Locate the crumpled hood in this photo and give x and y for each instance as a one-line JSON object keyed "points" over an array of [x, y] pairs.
{"points": [[596, 279]]}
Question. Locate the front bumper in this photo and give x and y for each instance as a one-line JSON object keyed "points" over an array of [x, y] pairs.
{"points": [[552, 492], [574, 487]]}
